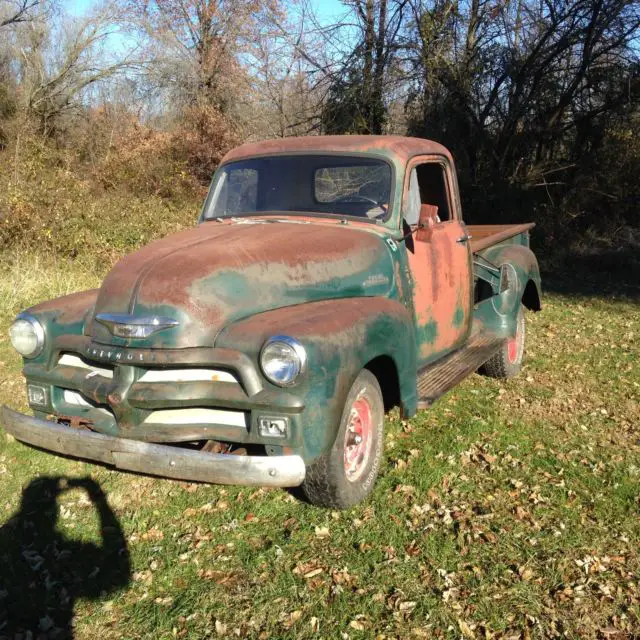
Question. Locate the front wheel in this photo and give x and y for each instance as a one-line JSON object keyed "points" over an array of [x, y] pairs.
{"points": [[508, 361], [345, 475]]}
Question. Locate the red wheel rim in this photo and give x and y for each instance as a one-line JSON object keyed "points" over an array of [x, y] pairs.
{"points": [[513, 344], [357, 439]]}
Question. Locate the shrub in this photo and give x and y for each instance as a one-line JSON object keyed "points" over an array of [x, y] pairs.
{"points": [[52, 208], [147, 162]]}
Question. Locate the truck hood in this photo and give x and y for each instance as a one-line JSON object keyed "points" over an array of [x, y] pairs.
{"points": [[212, 275]]}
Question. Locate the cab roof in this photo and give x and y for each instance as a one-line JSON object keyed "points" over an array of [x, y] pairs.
{"points": [[398, 148]]}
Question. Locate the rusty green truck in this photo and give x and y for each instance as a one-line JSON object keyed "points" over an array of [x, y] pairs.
{"points": [[329, 280]]}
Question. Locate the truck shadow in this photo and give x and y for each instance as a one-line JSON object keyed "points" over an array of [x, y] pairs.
{"points": [[43, 573], [601, 274]]}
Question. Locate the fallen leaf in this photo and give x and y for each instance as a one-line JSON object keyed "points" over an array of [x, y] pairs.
{"points": [[525, 573], [221, 628], [465, 629], [313, 573]]}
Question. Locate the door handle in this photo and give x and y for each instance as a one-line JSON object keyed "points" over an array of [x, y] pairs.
{"points": [[464, 239]]}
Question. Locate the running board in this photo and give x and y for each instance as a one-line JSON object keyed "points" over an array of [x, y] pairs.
{"points": [[437, 379]]}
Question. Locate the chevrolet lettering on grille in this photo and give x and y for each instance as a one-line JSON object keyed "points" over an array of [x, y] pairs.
{"points": [[119, 355]]}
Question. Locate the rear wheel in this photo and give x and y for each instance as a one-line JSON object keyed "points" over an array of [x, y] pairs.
{"points": [[345, 475], [508, 361]]}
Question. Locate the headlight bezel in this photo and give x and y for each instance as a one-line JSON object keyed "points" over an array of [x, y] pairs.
{"points": [[299, 351], [39, 333]]}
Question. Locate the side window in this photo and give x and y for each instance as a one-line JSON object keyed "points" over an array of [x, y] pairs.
{"points": [[412, 213], [433, 188]]}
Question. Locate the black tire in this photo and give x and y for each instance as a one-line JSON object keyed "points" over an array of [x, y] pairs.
{"points": [[506, 363], [336, 479]]}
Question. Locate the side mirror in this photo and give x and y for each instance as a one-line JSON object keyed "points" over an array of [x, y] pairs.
{"points": [[428, 218]]}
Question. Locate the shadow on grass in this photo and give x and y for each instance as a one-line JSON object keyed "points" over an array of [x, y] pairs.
{"points": [[43, 573], [608, 273]]}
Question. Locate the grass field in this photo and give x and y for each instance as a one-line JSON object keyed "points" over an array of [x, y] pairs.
{"points": [[509, 510]]}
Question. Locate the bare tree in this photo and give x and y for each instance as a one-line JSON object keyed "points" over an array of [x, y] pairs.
{"points": [[520, 79], [288, 80], [61, 61], [361, 84], [17, 11], [196, 46]]}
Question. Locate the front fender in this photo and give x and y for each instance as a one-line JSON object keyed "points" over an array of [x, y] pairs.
{"points": [[341, 337], [61, 317]]}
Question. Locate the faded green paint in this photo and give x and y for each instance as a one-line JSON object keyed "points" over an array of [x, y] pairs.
{"points": [[341, 337], [498, 313], [427, 333], [458, 317], [346, 311]]}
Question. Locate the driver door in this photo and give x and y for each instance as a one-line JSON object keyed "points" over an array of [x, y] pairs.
{"points": [[439, 259]]}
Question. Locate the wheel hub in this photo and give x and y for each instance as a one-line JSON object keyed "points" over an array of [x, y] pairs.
{"points": [[512, 349], [514, 344], [358, 439]]}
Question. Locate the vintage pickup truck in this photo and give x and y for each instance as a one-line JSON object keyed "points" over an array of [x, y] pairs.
{"points": [[329, 280]]}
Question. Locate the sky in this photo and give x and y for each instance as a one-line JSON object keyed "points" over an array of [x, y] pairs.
{"points": [[328, 11], [326, 8]]}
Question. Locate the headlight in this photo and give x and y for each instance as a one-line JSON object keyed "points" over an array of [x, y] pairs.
{"points": [[282, 360], [27, 336]]}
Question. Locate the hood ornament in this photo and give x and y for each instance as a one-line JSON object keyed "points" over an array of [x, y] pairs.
{"points": [[123, 325]]}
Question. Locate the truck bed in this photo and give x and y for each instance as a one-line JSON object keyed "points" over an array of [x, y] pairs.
{"points": [[485, 235]]}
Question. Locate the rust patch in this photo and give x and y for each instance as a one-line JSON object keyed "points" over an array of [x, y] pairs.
{"points": [[222, 271], [399, 147], [118, 287], [328, 318], [75, 422], [399, 281], [486, 235], [436, 273], [519, 255]]}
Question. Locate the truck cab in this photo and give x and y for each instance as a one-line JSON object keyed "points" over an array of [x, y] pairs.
{"points": [[329, 280]]}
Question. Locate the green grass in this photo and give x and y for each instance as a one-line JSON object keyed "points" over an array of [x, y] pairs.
{"points": [[511, 509]]}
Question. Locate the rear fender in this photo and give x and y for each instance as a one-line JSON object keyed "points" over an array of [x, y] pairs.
{"points": [[526, 267], [341, 337], [499, 313]]}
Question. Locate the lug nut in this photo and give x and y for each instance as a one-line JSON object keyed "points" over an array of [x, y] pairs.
{"points": [[354, 439]]}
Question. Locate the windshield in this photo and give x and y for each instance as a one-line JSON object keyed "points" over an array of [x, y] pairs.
{"points": [[333, 185]]}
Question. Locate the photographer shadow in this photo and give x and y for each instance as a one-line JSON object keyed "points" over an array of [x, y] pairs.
{"points": [[43, 572]]}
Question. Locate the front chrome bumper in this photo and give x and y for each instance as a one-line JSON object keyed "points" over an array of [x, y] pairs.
{"points": [[155, 459]]}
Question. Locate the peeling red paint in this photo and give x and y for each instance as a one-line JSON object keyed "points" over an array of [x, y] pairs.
{"points": [[442, 280], [441, 268]]}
